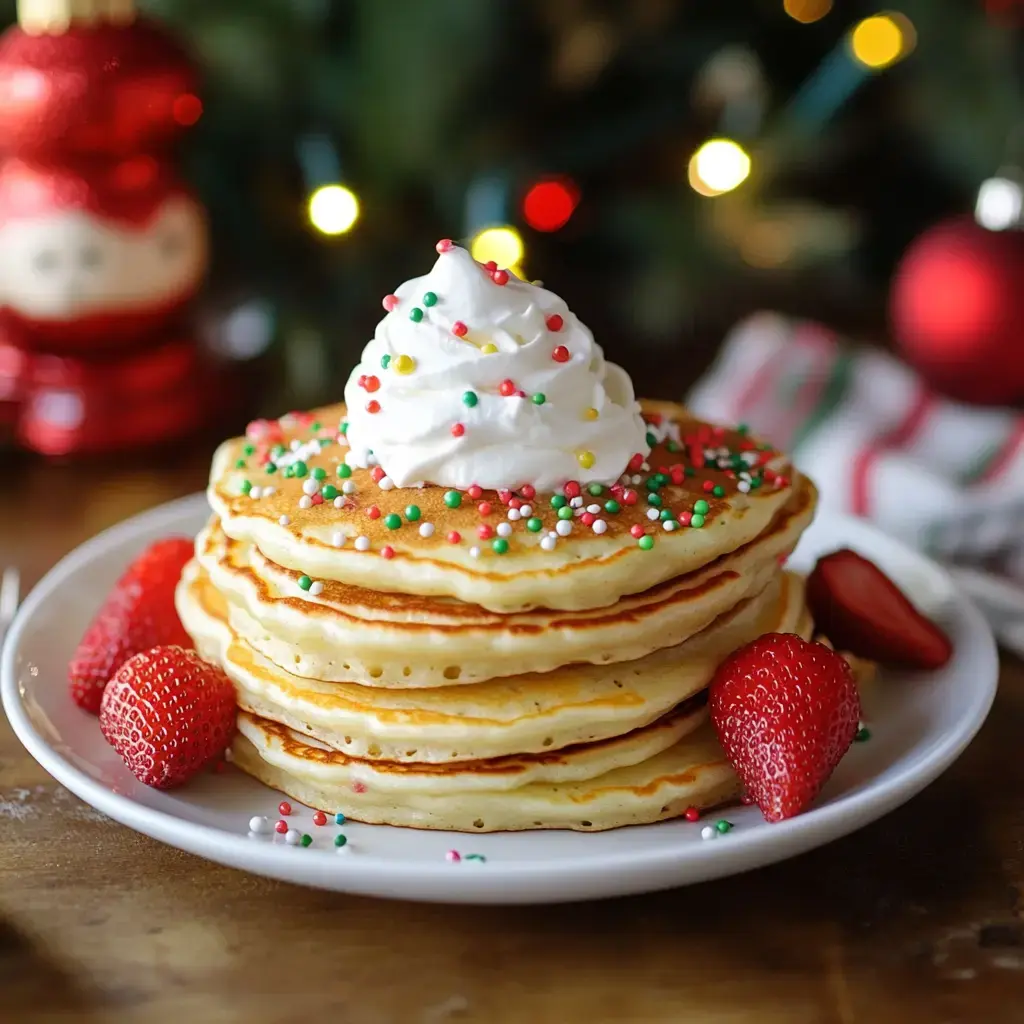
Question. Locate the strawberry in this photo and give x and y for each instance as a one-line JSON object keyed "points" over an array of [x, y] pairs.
{"points": [[786, 711], [137, 614], [862, 611], [168, 713]]}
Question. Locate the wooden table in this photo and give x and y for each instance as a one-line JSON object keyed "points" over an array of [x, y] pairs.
{"points": [[919, 917]]}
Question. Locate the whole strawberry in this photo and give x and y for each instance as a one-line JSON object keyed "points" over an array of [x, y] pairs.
{"points": [[137, 614], [786, 711], [168, 713]]}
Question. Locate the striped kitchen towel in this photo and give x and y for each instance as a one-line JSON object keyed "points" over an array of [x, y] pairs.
{"points": [[945, 477]]}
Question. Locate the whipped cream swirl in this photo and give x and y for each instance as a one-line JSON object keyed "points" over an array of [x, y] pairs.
{"points": [[472, 381]]}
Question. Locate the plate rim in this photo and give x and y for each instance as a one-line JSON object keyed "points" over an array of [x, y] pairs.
{"points": [[611, 874]]}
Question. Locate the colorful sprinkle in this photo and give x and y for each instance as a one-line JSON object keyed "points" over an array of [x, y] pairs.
{"points": [[453, 857], [280, 827], [458, 429], [590, 413], [319, 818], [500, 546], [560, 354], [317, 589], [339, 819], [862, 735], [722, 826], [534, 525], [459, 329], [444, 245], [585, 459], [538, 398], [707, 832], [362, 543], [259, 824], [412, 513], [305, 583], [691, 814], [452, 499], [701, 507], [430, 298], [557, 501], [454, 537], [389, 302], [403, 364], [489, 349], [506, 388], [500, 277], [284, 808], [646, 543], [415, 314], [469, 399], [329, 491], [479, 857], [426, 529], [554, 322], [373, 406], [392, 521], [306, 840], [385, 361], [344, 470], [340, 839], [696, 521]]}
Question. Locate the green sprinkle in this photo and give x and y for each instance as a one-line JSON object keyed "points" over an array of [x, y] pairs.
{"points": [[646, 543], [392, 520], [565, 512], [673, 447], [249, 449], [862, 735], [412, 513], [500, 545], [385, 360], [415, 314], [289, 472], [305, 582], [756, 482], [340, 839], [742, 428], [329, 491], [689, 471], [344, 470], [557, 501], [652, 483], [651, 440], [339, 819], [344, 427], [539, 398], [723, 826], [314, 427], [612, 506], [300, 469], [452, 499], [277, 451], [239, 463], [534, 525], [718, 491], [595, 489], [697, 520], [662, 479], [654, 499], [270, 467], [307, 840], [319, 473], [430, 299], [476, 856], [701, 507], [469, 399], [666, 514], [246, 486]]}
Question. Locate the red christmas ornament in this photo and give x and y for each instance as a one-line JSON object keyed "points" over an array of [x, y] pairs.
{"points": [[957, 306]]}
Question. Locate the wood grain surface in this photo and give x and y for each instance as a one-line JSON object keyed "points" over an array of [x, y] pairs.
{"points": [[918, 918]]}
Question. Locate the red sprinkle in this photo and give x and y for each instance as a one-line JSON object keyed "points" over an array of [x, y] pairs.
{"points": [[377, 474], [490, 266], [629, 497], [373, 406], [485, 531], [528, 491], [284, 808], [387, 551], [636, 530], [373, 512], [319, 818], [389, 302], [587, 518], [684, 518], [458, 430], [515, 503], [317, 499], [635, 462], [474, 491], [370, 383], [504, 496], [484, 508], [444, 245], [459, 329], [696, 454], [507, 388], [554, 322], [691, 814], [781, 481], [281, 826], [560, 354], [358, 787], [572, 489], [676, 473], [709, 486], [500, 277], [454, 537]]}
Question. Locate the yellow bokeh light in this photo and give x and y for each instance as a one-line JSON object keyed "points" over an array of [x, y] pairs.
{"points": [[333, 209], [720, 165], [881, 40], [807, 11], [503, 245]]}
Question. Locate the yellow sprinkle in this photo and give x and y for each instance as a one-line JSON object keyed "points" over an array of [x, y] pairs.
{"points": [[585, 459], [590, 414], [488, 349], [403, 364]]}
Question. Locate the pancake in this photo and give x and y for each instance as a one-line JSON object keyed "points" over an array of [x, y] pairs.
{"points": [[692, 771], [351, 634], [410, 533], [523, 714]]}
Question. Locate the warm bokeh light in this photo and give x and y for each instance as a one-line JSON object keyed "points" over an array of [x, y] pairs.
{"points": [[807, 11], [549, 204], [503, 245], [333, 209], [720, 165], [187, 109], [881, 40]]}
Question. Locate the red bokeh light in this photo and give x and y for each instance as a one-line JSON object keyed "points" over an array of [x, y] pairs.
{"points": [[187, 109], [549, 204]]}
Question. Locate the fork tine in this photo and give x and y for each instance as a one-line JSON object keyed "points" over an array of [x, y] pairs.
{"points": [[9, 587]]}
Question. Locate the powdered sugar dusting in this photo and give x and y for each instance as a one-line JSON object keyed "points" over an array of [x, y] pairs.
{"points": [[25, 804]]}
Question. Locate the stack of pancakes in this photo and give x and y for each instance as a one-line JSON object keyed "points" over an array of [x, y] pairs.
{"points": [[396, 663]]}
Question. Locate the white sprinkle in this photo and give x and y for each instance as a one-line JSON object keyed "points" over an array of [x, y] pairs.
{"points": [[426, 529], [305, 501], [362, 543], [743, 486], [576, 502], [750, 457], [339, 502], [293, 837], [338, 539], [268, 491], [284, 520], [316, 588], [724, 463], [652, 513], [503, 529], [563, 527], [259, 824], [636, 478], [599, 526], [348, 487], [254, 492], [708, 832], [551, 533], [386, 483], [669, 525], [594, 510], [548, 543], [514, 514], [474, 552], [295, 445], [310, 486], [526, 511], [646, 467]]}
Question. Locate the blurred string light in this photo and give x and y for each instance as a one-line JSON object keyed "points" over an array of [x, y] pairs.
{"points": [[718, 166], [333, 209], [999, 204], [503, 245], [548, 204], [880, 41], [807, 11]]}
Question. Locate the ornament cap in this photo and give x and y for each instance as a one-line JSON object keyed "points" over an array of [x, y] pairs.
{"points": [[54, 17]]}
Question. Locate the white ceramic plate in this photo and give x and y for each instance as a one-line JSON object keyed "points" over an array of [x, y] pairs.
{"points": [[919, 725]]}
